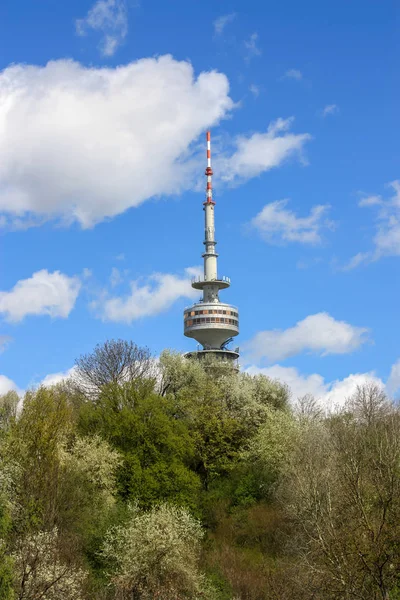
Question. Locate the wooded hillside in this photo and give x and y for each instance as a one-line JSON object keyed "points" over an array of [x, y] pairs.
{"points": [[175, 479]]}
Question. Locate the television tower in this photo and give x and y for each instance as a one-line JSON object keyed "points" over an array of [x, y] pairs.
{"points": [[211, 322]]}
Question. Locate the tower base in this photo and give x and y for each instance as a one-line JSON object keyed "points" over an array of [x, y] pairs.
{"points": [[228, 356]]}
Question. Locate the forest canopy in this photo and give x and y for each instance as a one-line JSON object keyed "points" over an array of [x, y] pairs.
{"points": [[176, 479]]}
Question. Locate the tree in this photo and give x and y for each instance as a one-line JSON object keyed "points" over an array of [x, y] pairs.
{"points": [[41, 572], [343, 493], [8, 410], [156, 447], [61, 495], [223, 409], [114, 362], [271, 448], [156, 555]]}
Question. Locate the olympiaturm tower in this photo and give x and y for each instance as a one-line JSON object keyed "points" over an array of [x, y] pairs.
{"points": [[211, 322]]}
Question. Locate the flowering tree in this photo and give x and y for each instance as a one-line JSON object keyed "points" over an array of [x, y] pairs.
{"points": [[40, 572], [156, 554]]}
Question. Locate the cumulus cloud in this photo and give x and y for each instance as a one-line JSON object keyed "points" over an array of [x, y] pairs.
{"points": [[251, 47], [277, 224], [110, 18], [293, 74], [44, 293], [319, 333], [7, 385], [331, 395], [221, 22], [148, 297], [262, 151], [330, 109], [84, 143], [55, 378], [387, 232]]}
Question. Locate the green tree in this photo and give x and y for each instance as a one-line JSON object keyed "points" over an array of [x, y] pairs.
{"points": [[156, 447], [223, 408]]}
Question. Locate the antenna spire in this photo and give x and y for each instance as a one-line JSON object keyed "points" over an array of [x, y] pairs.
{"points": [[209, 172]]}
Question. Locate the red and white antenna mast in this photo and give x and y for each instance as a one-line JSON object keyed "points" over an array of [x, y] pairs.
{"points": [[209, 171]]}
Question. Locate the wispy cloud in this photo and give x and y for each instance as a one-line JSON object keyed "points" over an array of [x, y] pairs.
{"points": [[221, 22], [261, 152], [251, 47], [330, 109], [111, 19], [255, 90], [277, 224], [386, 240], [4, 341], [393, 383], [370, 201], [293, 74]]}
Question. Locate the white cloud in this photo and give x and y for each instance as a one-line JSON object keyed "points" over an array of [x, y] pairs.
{"points": [[84, 144], [55, 378], [387, 237], [111, 19], [318, 333], [7, 385], [251, 47], [221, 22], [370, 201], [330, 109], [149, 296], [277, 224], [262, 151], [44, 293], [331, 394], [293, 74], [393, 383], [255, 90]]}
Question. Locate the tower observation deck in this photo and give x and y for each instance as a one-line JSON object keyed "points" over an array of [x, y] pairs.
{"points": [[210, 322]]}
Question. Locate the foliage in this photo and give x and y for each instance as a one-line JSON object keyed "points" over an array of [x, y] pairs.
{"points": [[94, 462], [156, 448], [223, 409], [185, 479], [156, 555], [40, 572], [8, 410]]}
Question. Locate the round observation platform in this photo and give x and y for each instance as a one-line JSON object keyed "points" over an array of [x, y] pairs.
{"points": [[211, 324], [199, 283]]}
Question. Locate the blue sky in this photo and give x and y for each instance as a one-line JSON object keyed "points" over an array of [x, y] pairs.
{"points": [[103, 112]]}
